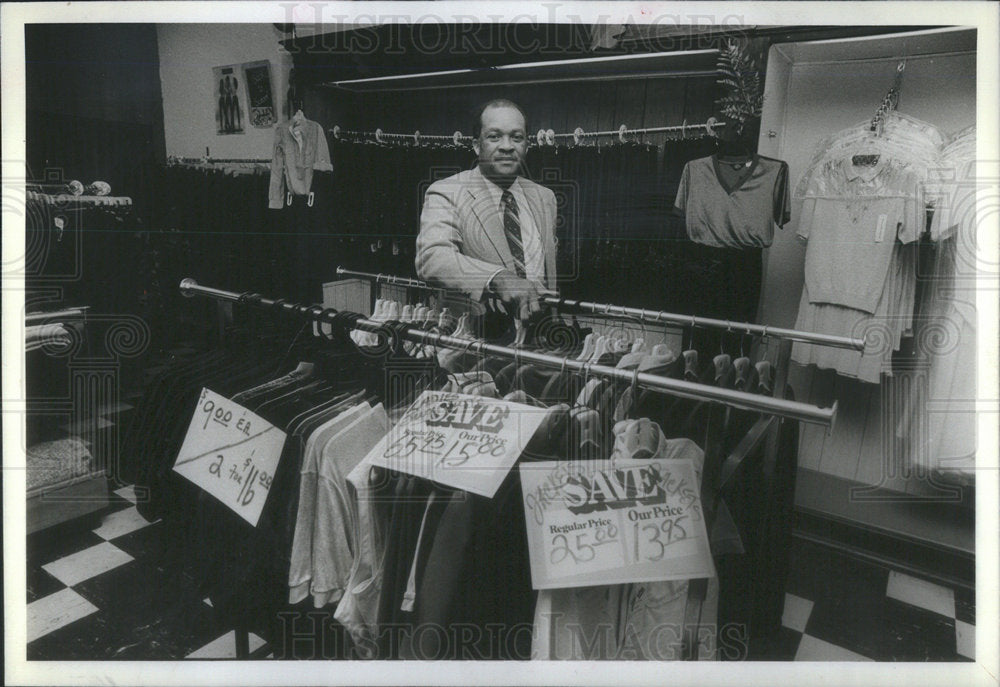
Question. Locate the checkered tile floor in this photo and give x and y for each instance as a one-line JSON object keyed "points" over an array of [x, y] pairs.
{"points": [[109, 589], [840, 609], [106, 587]]}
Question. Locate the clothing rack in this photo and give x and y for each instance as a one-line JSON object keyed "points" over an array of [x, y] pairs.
{"points": [[216, 161], [648, 316], [767, 405], [543, 137], [778, 472], [416, 137], [64, 199], [719, 469], [41, 317]]}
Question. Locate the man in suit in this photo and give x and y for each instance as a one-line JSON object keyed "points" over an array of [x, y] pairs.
{"points": [[489, 231]]}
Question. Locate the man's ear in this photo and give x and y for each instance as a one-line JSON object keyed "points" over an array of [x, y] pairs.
{"points": [[475, 146]]}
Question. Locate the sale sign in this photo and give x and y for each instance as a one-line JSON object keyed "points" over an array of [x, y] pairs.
{"points": [[231, 453], [597, 522], [462, 441]]}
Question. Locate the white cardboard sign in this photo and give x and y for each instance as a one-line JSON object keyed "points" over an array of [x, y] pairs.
{"points": [[591, 523], [462, 441], [231, 453]]}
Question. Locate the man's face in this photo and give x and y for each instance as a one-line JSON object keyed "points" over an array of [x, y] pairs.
{"points": [[502, 142]]}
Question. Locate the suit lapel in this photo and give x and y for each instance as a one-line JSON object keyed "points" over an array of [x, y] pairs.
{"points": [[544, 225], [489, 219]]}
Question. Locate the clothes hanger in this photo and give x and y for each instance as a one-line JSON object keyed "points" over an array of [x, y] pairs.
{"points": [[445, 320], [618, 344], [602, 346], [393, 312], [588, 347], [462, 329], [638, 345], [660, 349]]}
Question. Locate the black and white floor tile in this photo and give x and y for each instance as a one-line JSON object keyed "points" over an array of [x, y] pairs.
{"points": [[107, 588], [840, 609]]}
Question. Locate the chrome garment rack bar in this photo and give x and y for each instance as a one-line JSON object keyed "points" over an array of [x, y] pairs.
{"points": [[543, 137], [708, 128], [675, 387], [762, 330], [648, 316], [66, 199], [217, 161], [59, 315]]}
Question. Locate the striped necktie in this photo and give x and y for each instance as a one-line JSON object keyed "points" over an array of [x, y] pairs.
{"points": [[512, 228]]}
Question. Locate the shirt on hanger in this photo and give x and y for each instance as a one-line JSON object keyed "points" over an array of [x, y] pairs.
{"points": [[852, 217], [300, 569], [333, 547], [733, 207]]}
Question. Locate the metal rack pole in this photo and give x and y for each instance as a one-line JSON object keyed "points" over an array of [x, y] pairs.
{"points": [[650, 316], [706, 128], [675, 387]]}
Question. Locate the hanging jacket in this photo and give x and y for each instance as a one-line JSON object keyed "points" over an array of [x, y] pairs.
{"points": [[295, 158]]}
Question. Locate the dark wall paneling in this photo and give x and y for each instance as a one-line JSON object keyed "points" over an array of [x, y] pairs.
{"points": [[93, 102], [98, 71]]}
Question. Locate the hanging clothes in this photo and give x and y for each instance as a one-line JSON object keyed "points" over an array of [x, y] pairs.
{"points": [[379, 556], [729, 204], [299, 147], [942, 414], [863, 211]]}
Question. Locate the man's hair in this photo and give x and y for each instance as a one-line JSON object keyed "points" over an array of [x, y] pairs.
{"points": [[477, 124]]}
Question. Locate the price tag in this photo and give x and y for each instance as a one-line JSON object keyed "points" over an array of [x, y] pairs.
{"points": [[461, 441], [880, 228], [231, 453], [634, 521]]}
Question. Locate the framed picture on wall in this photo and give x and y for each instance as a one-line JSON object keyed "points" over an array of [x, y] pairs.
{"points": [[229, 95], [260, 97]]}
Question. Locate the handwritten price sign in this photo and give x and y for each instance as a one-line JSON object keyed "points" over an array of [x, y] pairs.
{"points": [[231, 453], [635, 521], [462, 441]]}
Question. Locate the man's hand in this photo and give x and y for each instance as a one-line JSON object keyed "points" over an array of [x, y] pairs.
{"points": [[519, 296]]}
